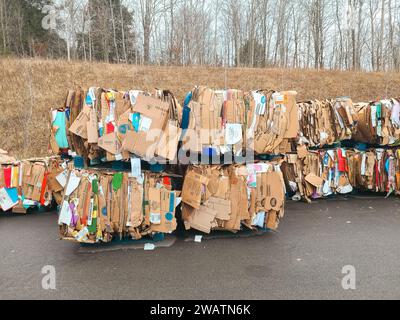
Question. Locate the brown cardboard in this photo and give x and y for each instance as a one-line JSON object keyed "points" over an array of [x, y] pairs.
{"points": [[202, 219], [140, 144], [314, 180], [275, 195], [19, 209], [153, 108], [221, 206], [92, 127], [116, 210], [2, 183], [143, 143], [155, 200], [124, 205], [110, 143], [52, 182], [79, 126], [38, 171], [136, 214], [165, 226], [168, 145], [239, 208], [292, 115], [272, 220], [55, 149], [302, 151], [192, 189]]}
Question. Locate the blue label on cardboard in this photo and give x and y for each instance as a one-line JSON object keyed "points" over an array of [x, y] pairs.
{"points": [[169, 216]]}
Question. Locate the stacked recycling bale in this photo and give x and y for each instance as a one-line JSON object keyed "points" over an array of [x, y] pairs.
{"points": [[106, 125], [272, 121], [99, 205], [326, 122], [371, 165], [340, 171], [29, 183], [378, 122], [230, 197], [230, 121]]}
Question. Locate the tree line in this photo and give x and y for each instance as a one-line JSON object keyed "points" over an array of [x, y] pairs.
{"points": [[321, 34]]}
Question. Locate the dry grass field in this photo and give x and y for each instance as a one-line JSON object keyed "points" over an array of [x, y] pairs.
{"points": [[29, 88]]}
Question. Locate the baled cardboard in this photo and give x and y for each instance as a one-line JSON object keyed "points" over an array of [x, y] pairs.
{"points": [[112, 204], [233, 196]]}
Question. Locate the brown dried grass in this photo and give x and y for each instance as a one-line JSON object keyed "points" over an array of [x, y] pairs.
{"points": [[29, 88]]}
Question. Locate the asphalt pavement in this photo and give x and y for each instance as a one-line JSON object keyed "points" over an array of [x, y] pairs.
{"points": [[303, 260]]}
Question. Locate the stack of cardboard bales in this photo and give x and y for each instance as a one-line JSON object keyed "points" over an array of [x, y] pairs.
{"points": [[320, 173], [106, 125], [28, 183], [229, 197], [98, 205]]}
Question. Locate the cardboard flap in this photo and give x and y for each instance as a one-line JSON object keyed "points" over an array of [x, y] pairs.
{"points": [[314, 180], [79, 126], [221, 206], [202, 219], [92, 127], [192, 189], [153, 109], [275, 194], [110, 143]]}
